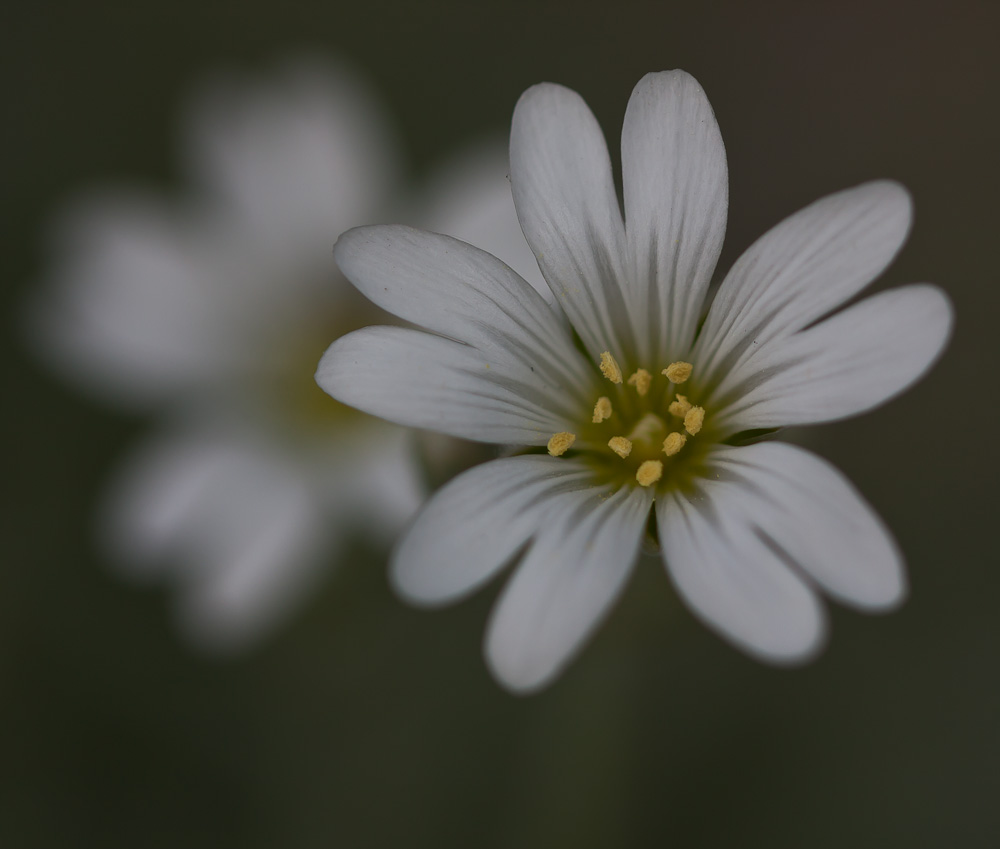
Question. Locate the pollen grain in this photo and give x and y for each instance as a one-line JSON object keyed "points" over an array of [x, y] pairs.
{"points": [[641, 380], [610, 368], [620, 445], [602, 409], [560, 443], [678, 372], [673, 443], [694, 419], [649, 472], [679, 407]]}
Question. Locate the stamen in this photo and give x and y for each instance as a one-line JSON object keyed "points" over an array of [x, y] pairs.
{"points": [[560, 443], [678, 372], [641, 381], [620, 445], [649, 472], [610, 368], [694, 419], [602, 409], [679, 407], [673, 443]]}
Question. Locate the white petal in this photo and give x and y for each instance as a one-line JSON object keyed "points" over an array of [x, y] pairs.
{"points": [[848, 363], [568, 580], [676, 191], [733, 581], [466, 294], [798, 271], [471, 200], [298, 156], [812, 513], [234, 524], [565, 198], [475, 524], [421, 380]]}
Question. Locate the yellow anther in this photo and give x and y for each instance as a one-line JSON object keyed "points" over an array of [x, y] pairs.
{"points": [[649, 472], [694, 419], [641, 380], [610, 368], [673, 443], [679, 407], [620, 445], [602, 409], [560, 443], [678, 372]]}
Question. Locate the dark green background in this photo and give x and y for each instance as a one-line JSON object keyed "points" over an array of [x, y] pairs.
{"points": [[366, 723]]}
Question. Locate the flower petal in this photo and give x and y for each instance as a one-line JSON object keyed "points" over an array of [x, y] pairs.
{"points": [[813, 514], [566, 201], [568, 580], [809, 264], [136, 308], [476, 523], [233, 523], [470, 199], [297, 157], [421, 380], [848, 363], [676, 191], [461, 292], [732, 579]]}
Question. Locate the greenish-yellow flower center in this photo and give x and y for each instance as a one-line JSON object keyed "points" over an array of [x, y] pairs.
{"points": [[644, 431]]}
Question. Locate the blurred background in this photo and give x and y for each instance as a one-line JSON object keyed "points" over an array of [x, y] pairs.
{"points": [[160, 686]]}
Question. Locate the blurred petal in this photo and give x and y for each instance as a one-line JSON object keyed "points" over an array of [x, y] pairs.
{"points": [[420, 380], [471, 200], [475, 524], [568, 580], [299, 156], [732, 579], [809, 264], [372, 478], [565, 198], [239, 528], [849, 363], [676, 190], [812, 513], [137, 307]]}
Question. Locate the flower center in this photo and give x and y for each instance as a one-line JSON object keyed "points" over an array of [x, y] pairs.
{"points": [[642, 430]]}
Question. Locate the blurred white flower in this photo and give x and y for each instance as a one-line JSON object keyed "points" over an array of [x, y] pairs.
{"points": [[645, 412], [211, 312]]}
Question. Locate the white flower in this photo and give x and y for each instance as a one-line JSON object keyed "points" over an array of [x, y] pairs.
{"points": [[211, 312], [642, 409]]}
